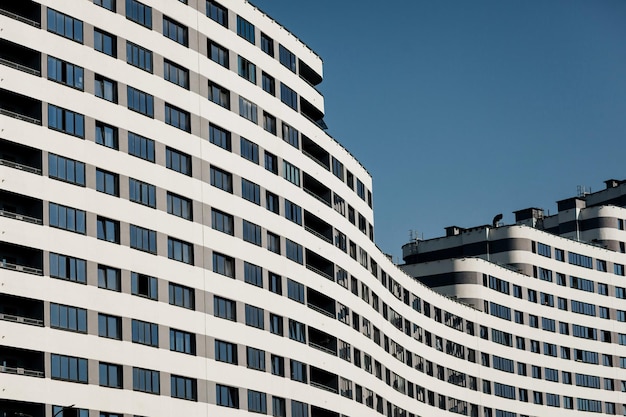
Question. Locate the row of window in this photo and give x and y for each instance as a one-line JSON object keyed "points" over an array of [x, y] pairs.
{"points": [[574, 259]]}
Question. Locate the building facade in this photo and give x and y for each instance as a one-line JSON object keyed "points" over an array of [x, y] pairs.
{"points": [[180, 236]]}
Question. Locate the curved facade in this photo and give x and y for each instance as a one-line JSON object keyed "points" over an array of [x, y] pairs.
{"points": [[181, 237]]}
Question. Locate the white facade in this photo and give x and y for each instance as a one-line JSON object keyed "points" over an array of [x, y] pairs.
{"points": [[152, 267]]}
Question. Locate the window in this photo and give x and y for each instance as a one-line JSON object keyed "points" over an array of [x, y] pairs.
{"points": [[248, 110], [269, 123], [253, 274], [247, 70], [175, 31], [299, 409], [226, 396], [293, 251], [183, 342], [178, 161], [580, 260], [581, 284], [273, 242], [287, 58], [250, 191], [184, 388], [360, 189], [176, 74], [68, 368], [140, 147], [255, 358], [144, 286], [65, 26], [65, 73], [217, 53], [249, 150], [107, 182], [66, 121], [297, 331], [109, 278], [254, 317], [145, 380], [142, 193], [222, 221], [267, 44], [291, 173], [66, 169], [109, 326], [181, 296], [179, 250], [271, 202], [257, 402], [223, 265], [68, 318], [108, 230], [140, 102], [293, 212], [338, 169], [276, 324], [106, 135], [179, 206], [67, 218], [145, 333], [225, 352], [219, 95], [618, 269], [178, 118], [109, 5], [138, 56], [245, 29], [105, 42], [288, 96], [295, 291], [298, 371], [139, 13], [68, 268], [219, 137], [217, 12], [268, 83], [225, 309], [271, 163], [278, 407]]}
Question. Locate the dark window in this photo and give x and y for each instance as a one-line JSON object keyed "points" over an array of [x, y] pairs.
{"points": [[109, 278], [245, 29], [142, 192], [109, 326], [247, 70], [250, 191], [268, 84], [139, 13], [221, 179], [146, 380], [68, 368], [66, 121], [145, 333], [218, 53], [108, 230], [68, 318], [105, 42], [222, 221], [223, 265], [219, 137], [225, 309], [67, 218], [293, 251], [217, 12], [226, 396], [271, 162], [291, 135], [269, 123], [253, 274], [66, 169], [287, 58], [176, 74], [68, 268], [257, 402], [288, 96], [109, 5], [293, 212], [181, 296], [179, 206], [140, 102], [65, 73], [138, 56], [267, 44], [226, 352], [249, 150], [175, 31], [184, 388], [143, 286], [181, 341], [255, 316], [177, 117], [219, 95], [178, 161], [106, 135], [179, 250], [107, 182], [248, 110], [143, 239], [65, 26], [271, 202], [255, 358]]}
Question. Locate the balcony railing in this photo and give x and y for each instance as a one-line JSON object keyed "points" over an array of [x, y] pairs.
{"points": [[20, 319], [21, 217], [321, 310], [321, 236], [324, 387], [21, 371], [21, 268], [20, 67], [316, 196], [20, 117], [20, 18], [315, 159], [16, 165], [320, 272]]}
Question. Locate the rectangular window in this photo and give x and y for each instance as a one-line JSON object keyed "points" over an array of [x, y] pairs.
{"points": [[298, 372], [249, 150], [68, 368], [338, 169], [255, 358], [66, 121], [140, 147], [271, 202], [219, 137], [267, 44], [109, 326], [247, 69], [250, 191], [268, 83], [287, 58], [68, 318], [108, 230], [177, 117], [109, 278], [65, 26], [580, 260], [140, 102], [178, 161], [291, 173], [175, 31], [109, 5], [222, 221], [255, 316], [145, 333], [217, 53], [271, 162], [68, 268], [183, 342], [219, 95], [299, 409], [184, 388], [257, 402], [179, 206], [139, 13], [279, 408], [146, 380], [106, 135], [142, 193], [226, 396], [581, 284], [226, 352], [143, 239], [269, 123], [107, 182], [293, 212], [248, 110], [65, 73], [223, 265], [288, 96], [144, 286], [138, 56], [221, 179], [176, 74], [181, 296], [179, 250], [293, 251], [67, 218], [252, 233], [295, 291], [225, 309], [273, 242], [105, 42], [245, 29], [217, 12], [276, 325]]}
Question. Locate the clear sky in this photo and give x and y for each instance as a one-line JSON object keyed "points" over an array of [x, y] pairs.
{"points": [[462, 109]]}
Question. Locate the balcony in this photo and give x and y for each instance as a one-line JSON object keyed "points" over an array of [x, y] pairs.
{"points": [[318, 227], [315, 152], [19, 207], [20, 157], [21, 362], [26, 11], [320, 265], [321, 303], [20, 107], [322, 341], [10, 408], [313, 114], [322, 412], [308, 74], [21, 310], [19, 57], [324, 380], [21, 258], [316, 189]]}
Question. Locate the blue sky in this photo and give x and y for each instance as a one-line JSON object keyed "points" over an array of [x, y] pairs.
{"points": [[461, 109]]}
